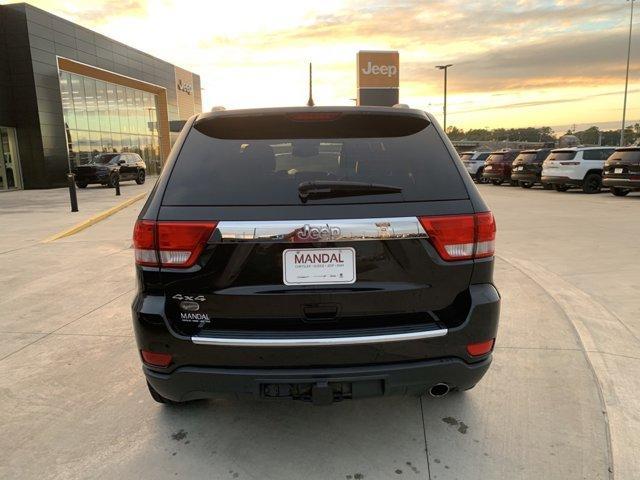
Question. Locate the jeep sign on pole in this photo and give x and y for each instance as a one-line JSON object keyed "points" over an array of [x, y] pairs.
{"points": [[378, 77]]}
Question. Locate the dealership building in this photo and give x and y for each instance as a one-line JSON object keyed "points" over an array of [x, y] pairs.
{"points": [[68, 93]]}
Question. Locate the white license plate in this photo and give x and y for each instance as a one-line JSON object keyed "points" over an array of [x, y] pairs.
{"points": [[618, 170], [319, 266], [519, 169]]}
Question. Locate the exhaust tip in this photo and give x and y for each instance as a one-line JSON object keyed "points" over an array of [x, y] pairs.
{"points": [[439, 390]]}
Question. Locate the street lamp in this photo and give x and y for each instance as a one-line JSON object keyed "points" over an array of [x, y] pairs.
{"points": [[445, 67], [626, 82]]}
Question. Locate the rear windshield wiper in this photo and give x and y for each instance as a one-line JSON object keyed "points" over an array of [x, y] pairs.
{"points": [[330, 189]]}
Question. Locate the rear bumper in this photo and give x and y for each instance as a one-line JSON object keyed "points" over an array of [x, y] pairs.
{"points": [[353, 366], [620, 182], [191, 383], [525, 177], [495, 175], [561, 180]]}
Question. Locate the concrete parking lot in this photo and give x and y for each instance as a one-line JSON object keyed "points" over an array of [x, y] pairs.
{"points": [[560, 401]]}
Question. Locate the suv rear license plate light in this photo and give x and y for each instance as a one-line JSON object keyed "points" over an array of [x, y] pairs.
{"points": [[319, 266]]}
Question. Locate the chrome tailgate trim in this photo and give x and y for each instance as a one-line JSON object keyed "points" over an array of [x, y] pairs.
{"points": [[318, 342], [306, 231]]}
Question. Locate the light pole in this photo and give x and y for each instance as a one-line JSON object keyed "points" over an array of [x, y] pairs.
{"points": [[445, 68], [626, 82]]}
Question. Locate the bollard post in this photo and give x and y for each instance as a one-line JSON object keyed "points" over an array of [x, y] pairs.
{"points": [[117, 179], [71, 180]]}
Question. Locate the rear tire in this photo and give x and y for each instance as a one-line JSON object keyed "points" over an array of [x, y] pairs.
{"points": [[497, 182], [159, 398], [592, 183], [81, 184], [561, 188], [479, 178], [140, 178], [620, 192], [526, 184]]}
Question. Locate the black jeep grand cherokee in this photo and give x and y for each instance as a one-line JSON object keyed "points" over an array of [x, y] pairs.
{"points": [[317, 254]]}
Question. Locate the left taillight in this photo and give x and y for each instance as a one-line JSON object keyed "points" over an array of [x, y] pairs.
{"points": [[461, 237], [170, 244]]}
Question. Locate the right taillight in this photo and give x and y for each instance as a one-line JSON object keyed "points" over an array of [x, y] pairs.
{"points": [[170, 244], [461, 237]]}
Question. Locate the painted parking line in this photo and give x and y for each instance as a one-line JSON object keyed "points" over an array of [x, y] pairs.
{"points": [[95, 219]]}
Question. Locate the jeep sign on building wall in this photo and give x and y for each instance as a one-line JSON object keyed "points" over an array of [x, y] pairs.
{"points": [[188, 93], [378, 77]]}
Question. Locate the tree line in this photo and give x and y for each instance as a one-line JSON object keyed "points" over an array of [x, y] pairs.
{"points": [[590, 136]]}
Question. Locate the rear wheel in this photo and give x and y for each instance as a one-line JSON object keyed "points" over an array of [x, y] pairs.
{"points": [[620, 192], [81, 184], [561, 188], [592, 183], [526, 184], [497, 182], [140, 177], [479, 178], [159, 398]]}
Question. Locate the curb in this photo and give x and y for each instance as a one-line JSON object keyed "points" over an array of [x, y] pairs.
{"points": [[95, 219]]}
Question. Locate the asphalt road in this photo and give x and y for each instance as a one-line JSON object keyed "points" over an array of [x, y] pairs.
{"points": [[560, 401]]}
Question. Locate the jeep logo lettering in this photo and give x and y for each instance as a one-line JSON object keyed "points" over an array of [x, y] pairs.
{"points": [[377, 69], [185, 87], [318, 232], [372, 69]]}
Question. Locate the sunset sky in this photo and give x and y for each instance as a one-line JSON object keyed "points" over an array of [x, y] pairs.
{"points": [[516, 63]]}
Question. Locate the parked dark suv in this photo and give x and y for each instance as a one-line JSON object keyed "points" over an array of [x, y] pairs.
{"points": [[497, 167], [527, 168], [317, 254], [621, 171], [104, 168]]}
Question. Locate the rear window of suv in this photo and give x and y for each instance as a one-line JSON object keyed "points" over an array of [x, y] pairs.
{"points": [[498, 158], [566, 155], [249, 160], [631, 156], [527, 157]]}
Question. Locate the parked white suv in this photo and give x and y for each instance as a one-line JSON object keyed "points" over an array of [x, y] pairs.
{"points": [[474, 163], [580, 167]]}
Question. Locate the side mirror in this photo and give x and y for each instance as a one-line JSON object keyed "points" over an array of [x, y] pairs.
{"points": [[121, 162]]}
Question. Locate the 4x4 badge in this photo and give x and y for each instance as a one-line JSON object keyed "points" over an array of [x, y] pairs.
{"points": [[179, 296]]}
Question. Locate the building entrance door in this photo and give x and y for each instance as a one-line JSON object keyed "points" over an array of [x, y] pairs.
{"points": [[10, 177]]}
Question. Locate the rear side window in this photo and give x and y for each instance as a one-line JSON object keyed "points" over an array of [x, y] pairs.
{"points": [[560, 155], [482, 156], [237, 163], [594, 155]]}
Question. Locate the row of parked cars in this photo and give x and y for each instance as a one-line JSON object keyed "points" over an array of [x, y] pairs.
{"points": [[588, 168]]}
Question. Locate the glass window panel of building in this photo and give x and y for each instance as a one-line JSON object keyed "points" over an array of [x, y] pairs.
{"points": [[102, 117]]}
